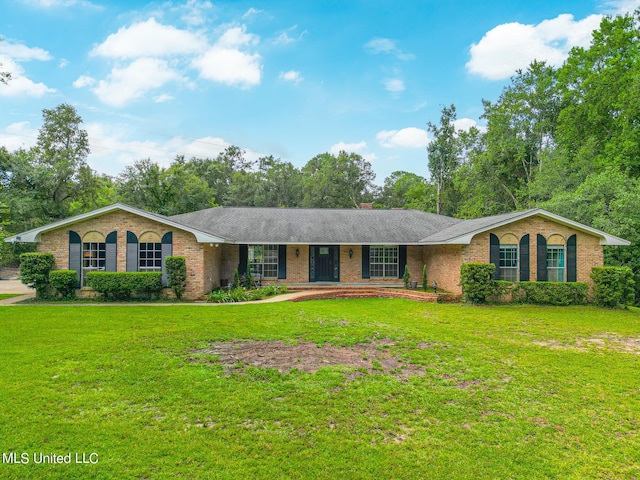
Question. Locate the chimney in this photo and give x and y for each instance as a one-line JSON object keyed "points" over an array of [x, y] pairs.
{"points": [[366, 206]]}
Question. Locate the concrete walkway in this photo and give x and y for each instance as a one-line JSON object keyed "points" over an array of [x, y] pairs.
{"points": [[25, 293]]}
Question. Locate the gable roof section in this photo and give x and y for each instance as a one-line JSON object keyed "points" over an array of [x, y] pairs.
{"points": [[463, 232], [317, 225], [33, 235]]}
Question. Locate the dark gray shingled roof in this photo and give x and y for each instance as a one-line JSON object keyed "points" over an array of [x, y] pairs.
{"points": [[316, 225], [465, 227]]}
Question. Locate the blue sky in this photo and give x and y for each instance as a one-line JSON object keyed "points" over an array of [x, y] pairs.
{"points": [[290, 79]]}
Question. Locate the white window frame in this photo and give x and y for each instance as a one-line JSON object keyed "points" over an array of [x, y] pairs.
{"points": [[384, 261], [263, 260], [509, 267], [560, 271], [94, 258], [153, 263]]}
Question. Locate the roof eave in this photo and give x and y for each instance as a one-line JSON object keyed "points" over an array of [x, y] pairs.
{"points": [[34, 235], [605, 238]]}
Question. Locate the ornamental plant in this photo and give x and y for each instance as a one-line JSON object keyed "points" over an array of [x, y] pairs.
{"points": [[424, 278], [476, 280], [176, 275], [406, 277], [64, 282], [34, 271]]}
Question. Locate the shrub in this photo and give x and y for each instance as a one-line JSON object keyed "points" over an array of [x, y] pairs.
{"points": [[613, 286], [476, 280], [176, 275], [248, 277], [236, 280], [551, 293], [121, 285], [34, 271], [406, 277], [64, 282], [241, 295], [424, 278]]}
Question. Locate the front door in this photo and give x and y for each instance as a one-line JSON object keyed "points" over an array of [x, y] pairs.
{"points": [[324, 264]]}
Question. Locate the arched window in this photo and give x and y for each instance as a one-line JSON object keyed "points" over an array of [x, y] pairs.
{"points": [[149, 252], [94, 253], [508, 263], [556, 258]]}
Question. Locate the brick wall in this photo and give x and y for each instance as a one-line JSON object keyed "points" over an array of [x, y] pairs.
{"points": [[443, 265], [589, 251], [184, 244]]}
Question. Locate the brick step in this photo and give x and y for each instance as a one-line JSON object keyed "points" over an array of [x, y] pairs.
{"points": [[354, 292]]}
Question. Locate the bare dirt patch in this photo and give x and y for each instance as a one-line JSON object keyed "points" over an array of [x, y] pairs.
{"points": [[602, 342], [308, 357]]}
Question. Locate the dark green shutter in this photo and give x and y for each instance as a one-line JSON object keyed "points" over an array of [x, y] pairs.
{"points": [[572, 246], [75, 254], [244, 258], [402, 259], [166, 251], [111, 252], [542, 259], [282, 262], [365, 261], [132, 252], [494, 254], [524, 258]]}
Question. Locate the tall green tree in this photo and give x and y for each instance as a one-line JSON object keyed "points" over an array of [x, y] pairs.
{"points": [[169, 191], [407, 190], [444, 156], [337, 181], [599, 125]]}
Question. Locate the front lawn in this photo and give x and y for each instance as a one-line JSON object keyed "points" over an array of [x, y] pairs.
{"points": [[423, 391]]}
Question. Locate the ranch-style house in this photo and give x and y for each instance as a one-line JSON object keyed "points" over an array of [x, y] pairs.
{"points": [[323, 246]]}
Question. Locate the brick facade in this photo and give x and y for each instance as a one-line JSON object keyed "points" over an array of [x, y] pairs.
{"points": [[208, 264], [184, 244]]}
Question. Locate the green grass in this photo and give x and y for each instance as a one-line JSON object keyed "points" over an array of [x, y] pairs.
{"points": [[496, 401], [4, 296]]}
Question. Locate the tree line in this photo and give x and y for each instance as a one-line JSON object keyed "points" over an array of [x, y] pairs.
{"points": [[566, 139]]}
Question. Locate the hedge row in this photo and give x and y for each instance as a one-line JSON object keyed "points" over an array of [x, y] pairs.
{"points": [[613, 287], [121, 285]]}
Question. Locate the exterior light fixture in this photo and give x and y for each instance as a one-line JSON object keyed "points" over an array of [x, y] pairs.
{"points": [[297, 252], [350, 252]]}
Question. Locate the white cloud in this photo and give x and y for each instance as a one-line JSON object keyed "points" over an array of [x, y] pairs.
{"points": [[194, 12], [126, 84], [465, 124], [360, 148], [410, 137], [84, 81], [164, 97], [19, 84], [22, 53], [236, 37], [386, 46], [111, 150], [291, 76], [18, 135], [224, 62], [620, 7], [512, 46], [149, 39], [394, 85], [284, 38], [250, 12], [63, 63], [348, 147]]}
